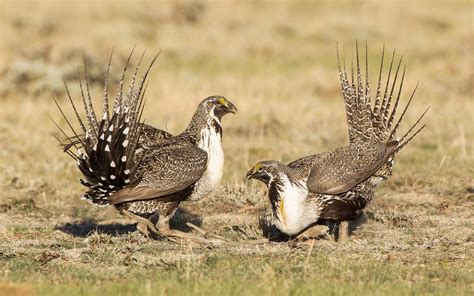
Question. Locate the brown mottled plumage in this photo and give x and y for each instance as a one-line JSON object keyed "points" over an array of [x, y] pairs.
{"points": [[152, 136], [142, 170], [336, 186]]}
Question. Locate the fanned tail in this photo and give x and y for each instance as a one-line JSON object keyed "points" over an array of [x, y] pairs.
{"points": [[105, 151], [367, 123]]}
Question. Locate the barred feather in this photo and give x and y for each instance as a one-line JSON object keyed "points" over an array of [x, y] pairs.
{"points": [[105, 100], [367, 124], [106, 152]]}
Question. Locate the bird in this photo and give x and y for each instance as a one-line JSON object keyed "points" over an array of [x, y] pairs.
{"points": [[141, 170], [334, 187]]}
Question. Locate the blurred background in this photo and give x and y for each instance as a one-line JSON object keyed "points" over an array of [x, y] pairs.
{"points": [[276, 61]]}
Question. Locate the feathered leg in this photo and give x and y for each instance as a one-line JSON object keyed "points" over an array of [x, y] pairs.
{"points": [[342, 230], [343, 234], [339, 231], [144, 225], [164, 230], [313, 232]]}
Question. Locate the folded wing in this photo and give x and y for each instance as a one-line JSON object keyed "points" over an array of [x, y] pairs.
{"points": [[344, 168], [167, 168]]}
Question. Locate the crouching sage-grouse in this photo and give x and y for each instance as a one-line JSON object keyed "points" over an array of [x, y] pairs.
{"points": [[335, 186], [139, 169]]}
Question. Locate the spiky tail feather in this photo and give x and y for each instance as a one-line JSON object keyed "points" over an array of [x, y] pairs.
{"points": [[106, 150], [367, 122]]}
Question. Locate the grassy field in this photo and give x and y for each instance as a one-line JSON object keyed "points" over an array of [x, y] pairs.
{"points": [[277, 63]]}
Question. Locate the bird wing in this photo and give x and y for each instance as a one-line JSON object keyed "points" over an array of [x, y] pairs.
{"points": [[344, 168], [307, 162], [301, 167], [372, 135], [371, 129], [152, 136], [167, 168]]}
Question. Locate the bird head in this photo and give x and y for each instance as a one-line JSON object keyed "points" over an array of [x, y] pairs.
{"points": [[265, 171], [218, 106]]}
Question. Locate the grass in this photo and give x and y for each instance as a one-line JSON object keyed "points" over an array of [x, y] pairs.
{"points": [[281, 275], [277, 63]]}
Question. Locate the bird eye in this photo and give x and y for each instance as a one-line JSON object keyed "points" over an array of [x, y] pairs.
{"points": [[221, 101]]}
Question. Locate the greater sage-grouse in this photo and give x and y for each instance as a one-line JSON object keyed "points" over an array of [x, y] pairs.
{"points": [[139, 169], [336, 186]]}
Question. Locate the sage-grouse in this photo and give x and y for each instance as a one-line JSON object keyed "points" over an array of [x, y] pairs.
{"points": [[336, 186], [137, 168]]}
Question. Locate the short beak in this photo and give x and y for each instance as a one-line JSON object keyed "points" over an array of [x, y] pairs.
{"points": [[231, 108], [250, 174]]}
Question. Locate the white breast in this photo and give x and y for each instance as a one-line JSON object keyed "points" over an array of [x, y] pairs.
{"points": [[211, 143], [290, 211]]}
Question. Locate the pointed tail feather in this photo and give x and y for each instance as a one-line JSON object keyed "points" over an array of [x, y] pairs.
{"points": [[106, 152], [89, 98], [394, 110], [397, 125], [404, 143], [75, 135], [368, 103], [105, 100], [386, 170], [131, 87], [379, 86], [376, 124], [357, 102], [91, 131], [387, 85], [118, 98], [386, 108]]}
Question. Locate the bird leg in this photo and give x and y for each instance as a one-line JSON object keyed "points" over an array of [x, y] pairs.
{"points": [[342, 230], [333, 231], [162, 229], [357, 222], [143, 229], [203, 232], [343, 234], [339, 231], [143, 224], [311, 233]]}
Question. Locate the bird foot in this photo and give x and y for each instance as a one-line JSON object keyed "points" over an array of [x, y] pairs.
{"points": [[166, 232], [313, 233], [144, 226], [163, 230], [143, 229]]}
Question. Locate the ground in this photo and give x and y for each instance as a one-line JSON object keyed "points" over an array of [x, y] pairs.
{"points": [[277, 63]]}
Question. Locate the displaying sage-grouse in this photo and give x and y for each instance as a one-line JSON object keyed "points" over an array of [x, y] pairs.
{"points": [[336, 186], [137, 168]]}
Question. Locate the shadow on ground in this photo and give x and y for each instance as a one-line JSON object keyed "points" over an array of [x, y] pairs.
{"points": [[86, 227]]}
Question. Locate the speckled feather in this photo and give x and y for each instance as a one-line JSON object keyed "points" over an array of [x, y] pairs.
{"points": [[372, 139], [337, 185], [166, 168], [137, 167]]}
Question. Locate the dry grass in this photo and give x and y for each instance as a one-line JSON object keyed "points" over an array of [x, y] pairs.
{"points": [[276, 62]]}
